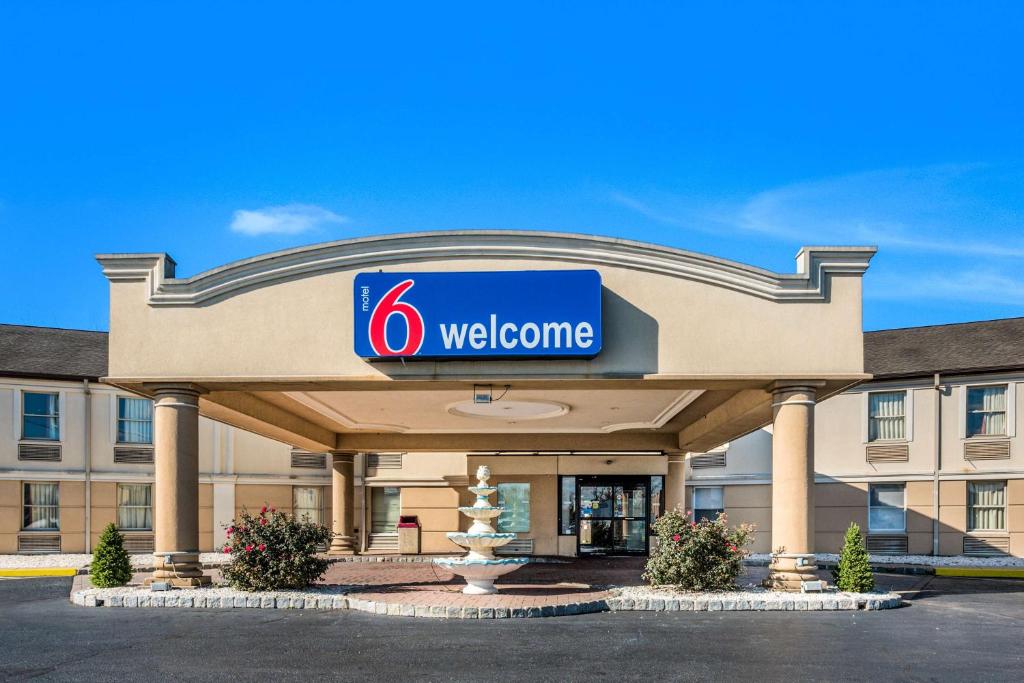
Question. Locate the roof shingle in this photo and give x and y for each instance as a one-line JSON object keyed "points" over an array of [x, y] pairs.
{"points": [[52, 353], [961, 348]]}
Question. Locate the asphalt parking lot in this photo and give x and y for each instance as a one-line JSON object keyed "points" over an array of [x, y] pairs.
{"points": [[953, 629]]}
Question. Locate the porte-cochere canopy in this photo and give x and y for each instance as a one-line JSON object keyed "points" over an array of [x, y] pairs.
{"points": [[692, 345], [671, 352]]}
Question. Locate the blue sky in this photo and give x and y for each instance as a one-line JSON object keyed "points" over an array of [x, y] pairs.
{"points": [[216, 131]]}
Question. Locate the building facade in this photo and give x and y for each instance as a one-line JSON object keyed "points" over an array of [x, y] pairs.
{"points": [[581, 369], [78, 454], [925, 457]]}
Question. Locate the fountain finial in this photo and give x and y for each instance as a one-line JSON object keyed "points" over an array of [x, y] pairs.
{"points": [[483, 473]]}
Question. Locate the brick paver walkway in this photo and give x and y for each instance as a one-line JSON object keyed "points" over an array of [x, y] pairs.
{"points": [[535, 585]]}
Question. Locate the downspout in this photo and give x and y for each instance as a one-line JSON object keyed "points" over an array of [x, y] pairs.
{"points": [[937, 385], [87, 451]]}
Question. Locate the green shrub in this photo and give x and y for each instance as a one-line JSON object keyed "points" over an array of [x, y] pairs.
{"points": [[701, 556], [853, 572], [111, 566], [273, 550]]}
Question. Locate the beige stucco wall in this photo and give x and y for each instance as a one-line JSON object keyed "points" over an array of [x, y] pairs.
{"points": [[836, 505], [747, 504], [72, 516], [1015, 516], [10, 515], [436, 509], [243, 333]]}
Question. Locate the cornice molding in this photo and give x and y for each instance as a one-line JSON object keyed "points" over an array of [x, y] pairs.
{"points": [[810, 283]]}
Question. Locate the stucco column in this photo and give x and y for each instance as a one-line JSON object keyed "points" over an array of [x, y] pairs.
{"points": [[675, 482], [792, 487], [342, 504], [176, 487]]}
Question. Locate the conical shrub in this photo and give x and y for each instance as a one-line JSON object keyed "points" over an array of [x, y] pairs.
{"points": [[853, 573], [111, 566]]}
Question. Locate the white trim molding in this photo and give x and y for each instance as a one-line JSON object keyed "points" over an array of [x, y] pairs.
{"points": [[815, 265]]}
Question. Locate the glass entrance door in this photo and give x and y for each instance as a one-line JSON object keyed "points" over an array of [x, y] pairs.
{"points": [[613, 515]]}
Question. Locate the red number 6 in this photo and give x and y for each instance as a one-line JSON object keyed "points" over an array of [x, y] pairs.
{"points": [[388, 306]]}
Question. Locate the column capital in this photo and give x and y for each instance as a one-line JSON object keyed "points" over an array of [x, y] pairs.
{"points": [[676, 458], [807, 385], [175, 389], [341, 457]]}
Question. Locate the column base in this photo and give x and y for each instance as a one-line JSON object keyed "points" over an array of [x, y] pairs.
{"points": [[184, 571], [789, 571], [190, 582], [342, 545]]}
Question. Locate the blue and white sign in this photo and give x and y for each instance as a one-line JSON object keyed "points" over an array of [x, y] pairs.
{"points": [[501, 314]]}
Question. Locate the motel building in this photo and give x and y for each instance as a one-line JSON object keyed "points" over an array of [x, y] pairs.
{"points": [[603, 381]]}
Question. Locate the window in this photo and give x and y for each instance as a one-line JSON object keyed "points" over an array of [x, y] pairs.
{"points": [[887, 507], [308, 503], [385, 506], [515, 498], [135, 507], [657, 497], [708, 502], [40, 416], [567, 506], [986, 506], [887, 416], [134, 420], [42, 507], [986, 411]]}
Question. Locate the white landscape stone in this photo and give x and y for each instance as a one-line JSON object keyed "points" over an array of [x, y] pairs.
{"points": [[642, 598], [923, 560], [79, 561]]}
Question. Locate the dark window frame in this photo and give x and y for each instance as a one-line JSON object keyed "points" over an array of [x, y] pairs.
{"points": [[574, 520]]}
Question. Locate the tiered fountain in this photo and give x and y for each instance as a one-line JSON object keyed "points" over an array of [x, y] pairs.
{"points": [[480, 567]]}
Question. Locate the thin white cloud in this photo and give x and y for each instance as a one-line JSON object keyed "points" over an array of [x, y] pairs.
{"points": [[932, 208], [974, 286], [288, 219], [645, 210], [951, 232]]}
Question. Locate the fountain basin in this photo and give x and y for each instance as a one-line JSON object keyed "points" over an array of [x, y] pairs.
{"points": [[476, 541], [480, 573], [481, 512]]}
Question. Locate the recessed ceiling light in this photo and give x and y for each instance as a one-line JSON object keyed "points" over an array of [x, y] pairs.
{"points": [[509, 410]]}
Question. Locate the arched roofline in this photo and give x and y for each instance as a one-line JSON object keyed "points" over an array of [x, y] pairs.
{"points": [[809, 283]]}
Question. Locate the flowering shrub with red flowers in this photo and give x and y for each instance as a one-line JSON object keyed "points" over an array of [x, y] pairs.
{"points": [[697, 556], [272, 550]]}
